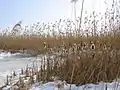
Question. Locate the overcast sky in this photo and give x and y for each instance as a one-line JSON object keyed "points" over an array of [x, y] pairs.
{"points": [[29, 11]]}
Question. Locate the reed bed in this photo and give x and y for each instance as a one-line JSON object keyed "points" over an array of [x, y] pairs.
{"points": [[75, 67], [90, 56]]}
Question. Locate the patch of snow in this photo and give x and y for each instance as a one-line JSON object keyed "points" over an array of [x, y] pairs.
{"points": [[59, 85]]}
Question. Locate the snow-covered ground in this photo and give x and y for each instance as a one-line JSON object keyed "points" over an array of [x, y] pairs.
{"points": [[12, 62], [59, 85]]}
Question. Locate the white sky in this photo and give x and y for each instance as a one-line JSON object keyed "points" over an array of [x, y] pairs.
{"points": [[30, 11], [98, 6]]}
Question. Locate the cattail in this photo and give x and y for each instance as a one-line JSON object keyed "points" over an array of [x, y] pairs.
{"points": [[84, 46], [92, 46], [78, 47], [105, 47], [75, 47], [45, 45]]}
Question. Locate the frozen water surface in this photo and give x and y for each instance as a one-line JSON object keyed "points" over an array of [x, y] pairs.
{"points": [[12, 62]]}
